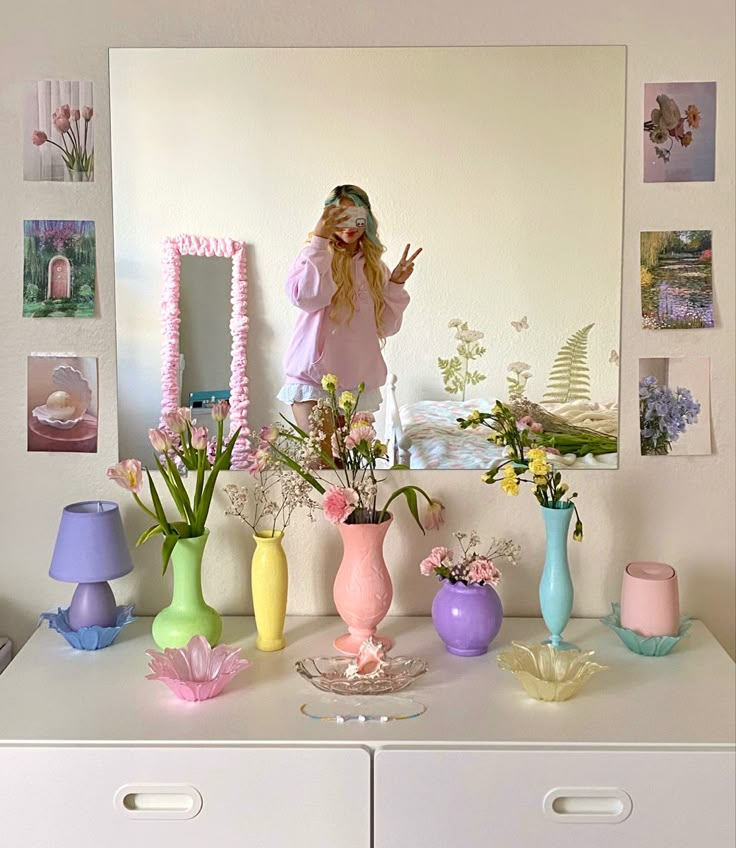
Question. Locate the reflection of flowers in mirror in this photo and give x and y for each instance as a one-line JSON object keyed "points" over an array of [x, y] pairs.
{"points": [[77, 158], [667, 124], [663, 416], [471, 566]]}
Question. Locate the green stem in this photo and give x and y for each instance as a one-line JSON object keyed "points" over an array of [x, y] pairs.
{"points": [[144, 507]]}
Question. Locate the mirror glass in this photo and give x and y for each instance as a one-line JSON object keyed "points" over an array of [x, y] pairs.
{"points": [[504, 164]]}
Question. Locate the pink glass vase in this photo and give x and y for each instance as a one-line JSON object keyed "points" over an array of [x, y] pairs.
{"points": [[363, 589]]}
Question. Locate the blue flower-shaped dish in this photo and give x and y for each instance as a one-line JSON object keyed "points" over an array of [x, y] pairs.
{"points": [[88, 638], [647, 646]]}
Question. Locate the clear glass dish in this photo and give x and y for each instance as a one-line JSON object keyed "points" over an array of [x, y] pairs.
{"points": [[329, 675], [379, 709]]}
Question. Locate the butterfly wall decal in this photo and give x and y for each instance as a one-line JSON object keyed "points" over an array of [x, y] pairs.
{"points": [[521, 324], [614, 358]]}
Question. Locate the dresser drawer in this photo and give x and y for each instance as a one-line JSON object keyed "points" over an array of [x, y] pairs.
{"points": [[118, 797], [558, 799]]}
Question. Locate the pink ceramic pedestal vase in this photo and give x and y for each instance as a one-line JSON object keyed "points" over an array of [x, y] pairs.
{"points": [[363, 589]]}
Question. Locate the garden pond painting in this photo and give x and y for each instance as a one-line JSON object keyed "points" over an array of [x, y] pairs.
{"points": [[59, 269], [677, 280]]}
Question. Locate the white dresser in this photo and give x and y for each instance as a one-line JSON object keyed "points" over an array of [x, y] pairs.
{"points": [[92, 755]]}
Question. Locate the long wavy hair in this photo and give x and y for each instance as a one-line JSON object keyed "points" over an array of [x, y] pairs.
{"points": [[343, 301]]}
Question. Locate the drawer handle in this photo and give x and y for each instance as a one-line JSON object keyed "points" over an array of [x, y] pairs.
{"points": [[587, 805], [158, 801]]}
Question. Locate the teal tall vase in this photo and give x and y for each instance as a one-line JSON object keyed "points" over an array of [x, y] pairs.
{"points": [[555, 588]]}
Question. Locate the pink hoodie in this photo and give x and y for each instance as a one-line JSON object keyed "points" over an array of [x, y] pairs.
{"points": [[319, 345]]}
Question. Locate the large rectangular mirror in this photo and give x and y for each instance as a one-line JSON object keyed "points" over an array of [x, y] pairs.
{"points": [[504, 164]]}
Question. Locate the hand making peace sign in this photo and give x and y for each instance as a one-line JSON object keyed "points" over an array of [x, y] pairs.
{"points": [[405, 268]]}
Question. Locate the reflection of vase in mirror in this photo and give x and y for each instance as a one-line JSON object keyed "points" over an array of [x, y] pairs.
{"points": [[532, 257], [204, 334]]}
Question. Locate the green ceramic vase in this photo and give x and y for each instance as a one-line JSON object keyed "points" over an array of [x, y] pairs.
{"points": [[187, 615]]}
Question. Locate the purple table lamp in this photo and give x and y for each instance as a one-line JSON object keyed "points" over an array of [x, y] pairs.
{"points": [[90, 550]]}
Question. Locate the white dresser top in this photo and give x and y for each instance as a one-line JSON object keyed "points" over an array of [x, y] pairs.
{"points": [[53, 694]]}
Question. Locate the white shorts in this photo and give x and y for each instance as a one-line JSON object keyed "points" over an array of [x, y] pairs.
{"points": [[370, 401]]}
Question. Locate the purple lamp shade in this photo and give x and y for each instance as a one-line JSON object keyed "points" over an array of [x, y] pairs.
{"points": [[90, 550]]}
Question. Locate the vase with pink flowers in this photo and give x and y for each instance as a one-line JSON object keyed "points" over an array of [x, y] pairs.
{"points": [[179, 447], [467, 612], [342, 442], [79, 161]]}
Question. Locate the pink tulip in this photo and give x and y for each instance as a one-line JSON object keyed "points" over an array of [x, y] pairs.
{"points": [[65, 110], [76, 115], [87, 112], [434, 515], [220, 410], [199, 438], [160, 440], [175, 422], [338, 504], [39, 137], [258, 460], [269, 433], [61, 122], [128, 474]]}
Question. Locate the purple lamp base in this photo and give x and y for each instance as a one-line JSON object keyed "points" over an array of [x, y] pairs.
{"points": [[92, 604]]}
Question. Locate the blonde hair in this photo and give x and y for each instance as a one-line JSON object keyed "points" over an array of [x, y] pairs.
{"points": [[343, 301]]}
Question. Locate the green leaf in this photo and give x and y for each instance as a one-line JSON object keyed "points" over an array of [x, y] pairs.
{"points": [[157, 506], [410, 493], [147, 534], [222, 463], [172, 488], [167, 548]]}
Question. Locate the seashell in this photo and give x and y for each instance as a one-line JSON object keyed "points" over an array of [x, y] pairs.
{"points": [[69, 402]]}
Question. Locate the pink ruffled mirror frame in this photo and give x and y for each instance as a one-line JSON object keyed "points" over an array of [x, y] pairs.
{"points": [[188, 245]]}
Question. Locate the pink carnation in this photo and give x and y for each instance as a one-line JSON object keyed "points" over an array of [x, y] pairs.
{"points": [[360, 433], [362, 418], [435, 560], [339, 503], [483, 570]]}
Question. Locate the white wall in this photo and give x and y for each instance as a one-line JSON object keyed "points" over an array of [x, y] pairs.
{"points": [[510, 187], [683, 513]]}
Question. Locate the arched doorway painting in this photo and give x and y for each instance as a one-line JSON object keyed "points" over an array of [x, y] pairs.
{"points": [[60, 278]]}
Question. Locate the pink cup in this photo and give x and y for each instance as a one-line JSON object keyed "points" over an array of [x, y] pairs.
{"points": [[650, 603]]}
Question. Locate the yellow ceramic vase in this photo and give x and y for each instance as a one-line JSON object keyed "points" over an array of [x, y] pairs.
{"points": [[270, 585]]}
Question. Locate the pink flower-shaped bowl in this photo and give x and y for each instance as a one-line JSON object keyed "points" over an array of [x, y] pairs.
{"points": [[196, 672]]}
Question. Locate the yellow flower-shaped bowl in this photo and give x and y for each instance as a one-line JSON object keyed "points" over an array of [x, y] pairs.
{"points": [[546, 673]]}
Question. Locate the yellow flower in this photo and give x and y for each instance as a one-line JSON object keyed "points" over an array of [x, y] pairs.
{"points": [[508, 472], [510, 485], [578, 532], [538, 468], [379, 449], [347, 399], [474, 418], [536, 454], [329, 383], [540, 481]]}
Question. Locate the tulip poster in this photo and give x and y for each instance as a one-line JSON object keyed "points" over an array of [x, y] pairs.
{"points": [[679, 132], [59, 276], [59, 143]]}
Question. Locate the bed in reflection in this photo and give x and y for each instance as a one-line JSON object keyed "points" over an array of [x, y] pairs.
{"points": [[425, 434]]}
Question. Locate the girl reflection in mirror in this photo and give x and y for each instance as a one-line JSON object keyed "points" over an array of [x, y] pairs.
{"points": [[349, 302]]}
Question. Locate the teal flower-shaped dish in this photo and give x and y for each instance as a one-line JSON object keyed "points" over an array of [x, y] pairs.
{"points": [[88, 638], [647, 646]]}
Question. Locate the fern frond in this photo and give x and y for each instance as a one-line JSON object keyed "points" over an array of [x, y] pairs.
{"points": [[569, 378]]}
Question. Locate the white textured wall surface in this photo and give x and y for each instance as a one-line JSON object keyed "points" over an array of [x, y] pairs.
{"points": [[677, 509]]}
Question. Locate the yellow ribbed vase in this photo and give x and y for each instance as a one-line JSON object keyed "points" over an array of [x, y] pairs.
{"points": [[270, 585]]}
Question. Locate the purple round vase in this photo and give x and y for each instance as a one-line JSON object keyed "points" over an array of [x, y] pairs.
{"points": [[467, 618]]}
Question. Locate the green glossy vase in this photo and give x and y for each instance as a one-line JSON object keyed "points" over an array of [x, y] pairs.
{"points": [[188, 614]]}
